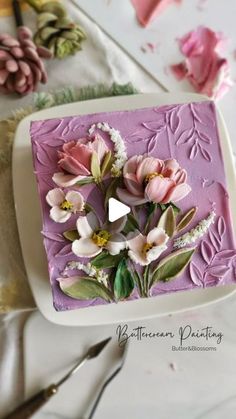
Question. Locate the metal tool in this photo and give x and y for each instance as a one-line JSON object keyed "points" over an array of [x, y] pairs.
{"points": [[113, 374], [28, 408]]}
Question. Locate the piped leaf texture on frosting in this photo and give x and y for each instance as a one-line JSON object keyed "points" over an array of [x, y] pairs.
{"points": [[86, 288], [218, 261], [124, 282], [171, 266], [186, 219], [167, 221]]}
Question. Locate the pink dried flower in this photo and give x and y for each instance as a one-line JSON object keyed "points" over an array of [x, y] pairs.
{"points": [[21, 68], [204, 67]]}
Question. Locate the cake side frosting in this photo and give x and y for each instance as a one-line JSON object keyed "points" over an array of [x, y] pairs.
{"points": [[166, 163]]}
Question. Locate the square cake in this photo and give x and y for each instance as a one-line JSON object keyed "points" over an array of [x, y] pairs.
{"points": [[165, 163]]}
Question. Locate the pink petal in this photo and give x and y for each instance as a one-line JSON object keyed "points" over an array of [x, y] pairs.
{"points": [[55, 197], [85, 248], [170, 168], [66, 180], [177, 193], [158, 188], [147, 10], [116, 243], [76, 199], [20, 79], [10, 42], [58, 215], [132, 184], [68, 281], [17, 52], [136, 241], [3, 76], [99, 145], [80, 152], [73, 166], [147, 166], [4, 55], [132, 164], [24, 32], [157, 236], [129, 199], [25, 68], [179, 70], [87, 224], [12, 66]]}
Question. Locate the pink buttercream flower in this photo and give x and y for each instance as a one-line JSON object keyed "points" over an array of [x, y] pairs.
{"points": [[144, 249], [204, 68], [148, 179], [75, 159], [64, 205], [94, 238]]}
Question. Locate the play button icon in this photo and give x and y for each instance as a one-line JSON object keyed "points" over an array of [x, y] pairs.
{"points": [[116, 209]]}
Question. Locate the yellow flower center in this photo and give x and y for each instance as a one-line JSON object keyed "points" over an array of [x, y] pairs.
{"points": [[100, 238], [151, 176], [66, 205], [147, 247]]}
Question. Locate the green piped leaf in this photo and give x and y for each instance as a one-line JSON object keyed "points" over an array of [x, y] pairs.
{"points": [[171, 266], [167, 221], [71, 235], [86, 181], [131, 224], [86, 289], [105, 260], [186, 220], [107, 163], [111, 190], [175, 208], [123, 283], [95, 166]]}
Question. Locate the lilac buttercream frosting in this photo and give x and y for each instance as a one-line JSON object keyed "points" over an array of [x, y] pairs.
{"points": [[187, 133]]}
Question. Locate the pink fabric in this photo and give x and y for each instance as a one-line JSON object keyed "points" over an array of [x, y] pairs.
{"points": [[204, 67]]}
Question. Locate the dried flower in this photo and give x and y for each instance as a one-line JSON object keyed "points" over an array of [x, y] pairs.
{"points": [[56, 31], [21, 68]]}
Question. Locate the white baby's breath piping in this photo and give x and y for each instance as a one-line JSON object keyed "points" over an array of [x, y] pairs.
{"points": [[99, 274], [196, 233], [119, 146]]}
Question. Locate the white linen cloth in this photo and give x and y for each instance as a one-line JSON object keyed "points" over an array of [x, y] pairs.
{"points": [[100, 61]]}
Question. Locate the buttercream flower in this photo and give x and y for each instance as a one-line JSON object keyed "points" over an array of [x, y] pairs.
{"points": [[64, 205], [150, 179], [144, 249], [94, 237], [204, 67], [75, 159]]}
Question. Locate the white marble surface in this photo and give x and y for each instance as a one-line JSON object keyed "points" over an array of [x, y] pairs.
{"points": [[204, 383], [156, 381]]}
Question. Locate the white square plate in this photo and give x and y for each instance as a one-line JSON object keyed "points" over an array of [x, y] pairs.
{"points": [[29, 220]]}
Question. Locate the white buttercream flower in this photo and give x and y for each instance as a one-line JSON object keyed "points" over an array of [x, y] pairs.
{"points": [[64, 205], [144, 249], [196, 233], [94, 238]]}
